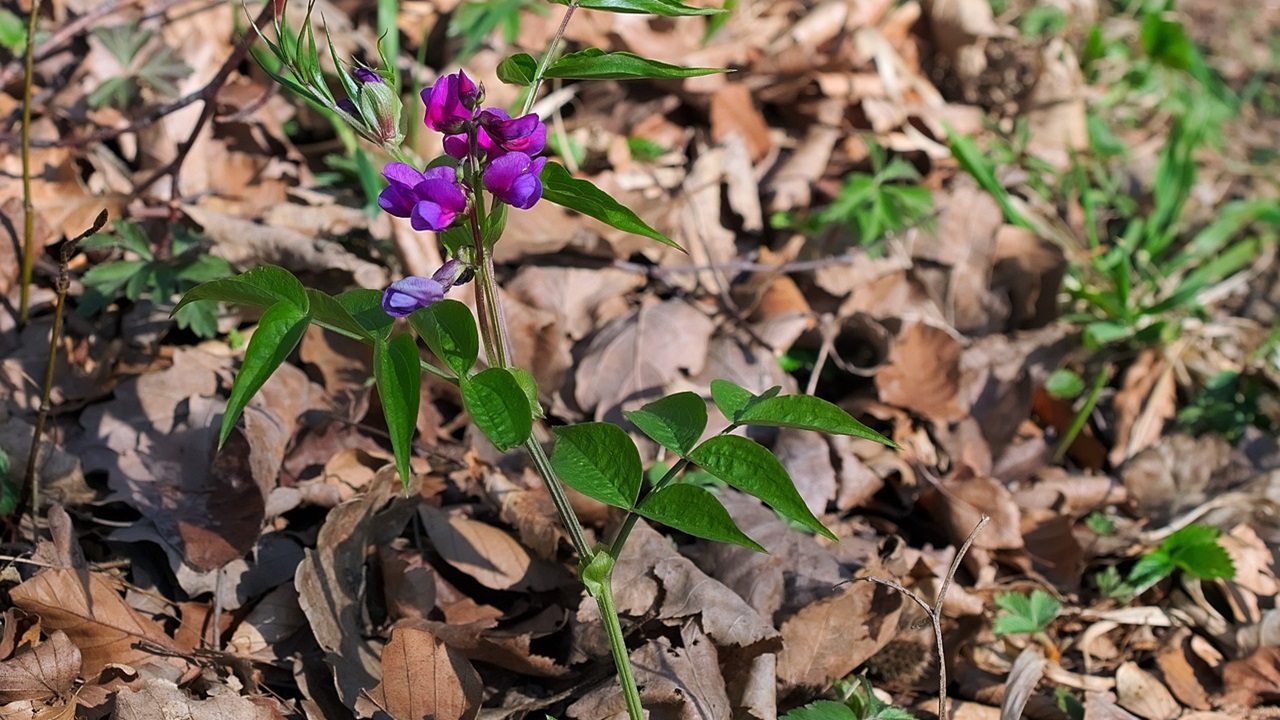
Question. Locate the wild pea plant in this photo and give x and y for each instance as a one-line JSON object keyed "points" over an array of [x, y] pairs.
{"points": [[492, 166]]}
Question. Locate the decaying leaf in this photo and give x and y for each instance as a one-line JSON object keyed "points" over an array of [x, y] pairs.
{"points": [[45, 671], [423, 678]]}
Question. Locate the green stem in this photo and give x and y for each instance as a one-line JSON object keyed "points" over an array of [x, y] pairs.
{"points": [[618, 648], [1077, 424], [545, 61], [28, 208]]}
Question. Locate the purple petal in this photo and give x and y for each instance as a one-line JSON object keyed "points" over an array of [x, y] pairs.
{"points": [[456, 146], [405, 296], [503, 171], [401, 174], [397, 200], [430, 216], [365, 75], [441, 173], [443, 193]]}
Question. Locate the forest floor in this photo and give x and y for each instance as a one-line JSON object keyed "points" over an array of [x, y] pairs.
{"points": [[1032, 243]]}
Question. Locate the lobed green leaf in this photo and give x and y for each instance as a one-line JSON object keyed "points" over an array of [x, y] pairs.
{"points": [[598, 460], [749, 467]]}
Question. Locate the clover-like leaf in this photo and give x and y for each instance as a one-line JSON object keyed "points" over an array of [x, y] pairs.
{"points": [[1025, 614]]}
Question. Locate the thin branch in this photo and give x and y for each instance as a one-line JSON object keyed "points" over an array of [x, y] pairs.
{"points": [[28, 208]]}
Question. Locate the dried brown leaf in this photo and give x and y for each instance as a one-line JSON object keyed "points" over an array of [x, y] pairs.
{"points": [[159, 699], [488, 554], [923, 373], [424, 678], [1142, 694], [832, 637], [93, 615], [45, 671]]}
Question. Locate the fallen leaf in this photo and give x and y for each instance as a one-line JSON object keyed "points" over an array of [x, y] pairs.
{"points": [[424, 678], [159, 699], [45, 671], [922, 373], [489, 555], [94, 616], [832, 637], [1142, 694]]}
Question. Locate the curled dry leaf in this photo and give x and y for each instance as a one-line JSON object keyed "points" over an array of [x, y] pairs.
{"points": [[94, 616], [45, 671], [1142, 694], [423, 678]]}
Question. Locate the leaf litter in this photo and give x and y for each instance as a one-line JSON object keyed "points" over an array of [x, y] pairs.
{"points": [[289, 576]]}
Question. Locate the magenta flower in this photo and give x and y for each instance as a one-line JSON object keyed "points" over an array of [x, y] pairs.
{"points": [[405, 296], [526, 134], [451, 103], [431, 200], [513, 179]]}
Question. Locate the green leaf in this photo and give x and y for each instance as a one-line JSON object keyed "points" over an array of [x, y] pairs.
{"points": [[498, 406], [675, 422], [749, 467], [693, 510], [517, 69], [730, 398], [260, 287], [974, 162], [1196, 551], [278, 333], [399, 381], [110, 277], [448, 328], [666, 8], [596, 64], [822, 710], [598, 460], [1064, 384], [365, 305], [329, 313], [561, 188], [1025, 614], [1102, 333], [806, 412], [530, 387]]}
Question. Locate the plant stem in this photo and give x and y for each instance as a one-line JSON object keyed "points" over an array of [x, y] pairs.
{"points": [[1077, 423], [618, 647], [28, 209], [545, 61]]}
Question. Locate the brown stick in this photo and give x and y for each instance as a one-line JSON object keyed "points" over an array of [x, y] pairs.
{"points": [[28, 209]]}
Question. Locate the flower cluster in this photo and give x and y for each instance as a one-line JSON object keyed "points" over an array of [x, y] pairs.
{"points": [[487, 142]]}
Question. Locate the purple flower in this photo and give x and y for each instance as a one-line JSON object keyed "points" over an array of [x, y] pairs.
{"points": [[364, 76], [451, 103], [513, 179], [405, 296], [525, 134], [457, 145], [431, 200]]}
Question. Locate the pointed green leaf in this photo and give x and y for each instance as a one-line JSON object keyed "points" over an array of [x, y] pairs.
{"points": [[530, 387], [517, 69], [748, 466], [278, 333], [449, 329], [498, 406], [365, 306], [563, 189], [693, 510], [596, 64], [730, 398], [805, 412], [600, 461], [260, 287], [399, 381], [675, 422], [329, 313], [666, 8]]}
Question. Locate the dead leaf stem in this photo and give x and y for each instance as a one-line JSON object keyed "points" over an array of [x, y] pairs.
{"points": [[935, 611]]}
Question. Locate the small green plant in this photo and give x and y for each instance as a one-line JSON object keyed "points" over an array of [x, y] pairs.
{"points": [[1193, 550], [1227, 405], [141, 274], [1102, 524], [1043, 21], [872, 205], [1025, 614], [159, 70], [858, 702]]}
